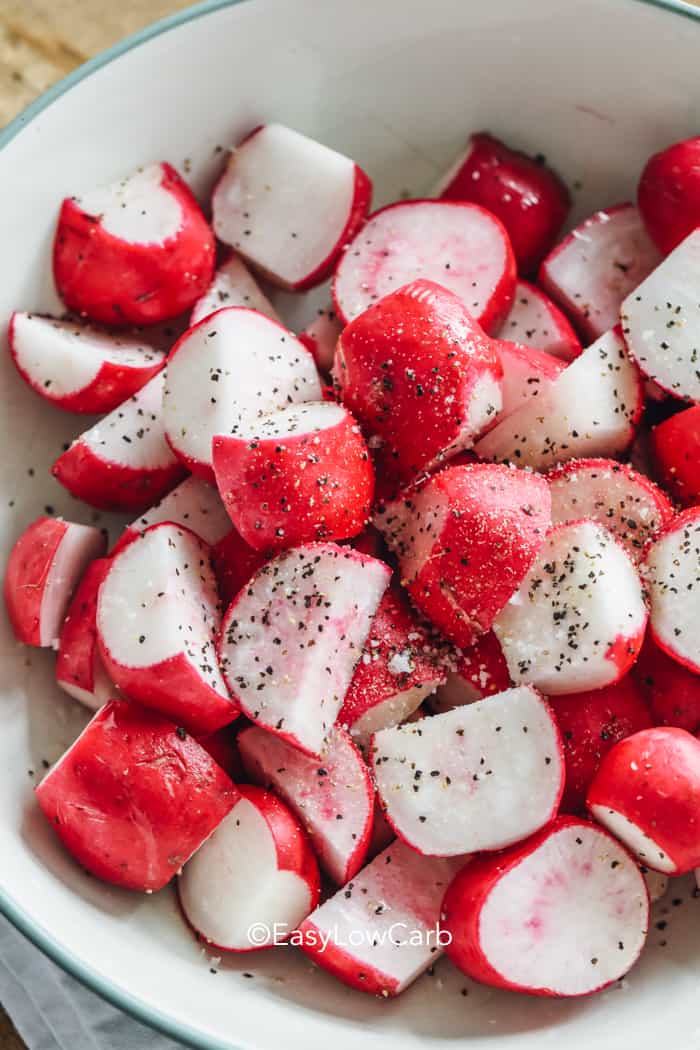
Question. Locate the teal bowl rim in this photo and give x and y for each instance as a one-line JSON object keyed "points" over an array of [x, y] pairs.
{"points": [[41, 938]]}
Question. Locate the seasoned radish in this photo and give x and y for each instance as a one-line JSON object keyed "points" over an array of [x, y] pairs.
{"points": [[591, 409], [123, 461], [661, 321], [193, 504], [420, 375], [301, 474], [475, 778], [222, 746], [565, 913], [465, 541], [671, 690], [479, 671], [134, 797], [136, 252], [234, 563], [289, 205], [626, 503], [79, 668], [526, 374], [380, 932], [669, 193], [321, 337], [256, 873], [223, 374], [647, 794], [158, 620], [657, 884], [232, 285], [43, 569], [400, 666], [675, 449], [77, 368], [578, 620], [460, 246], [332, 796], [529, 198], [672, 572], [534, 320], [597, 265], [290, 639]]}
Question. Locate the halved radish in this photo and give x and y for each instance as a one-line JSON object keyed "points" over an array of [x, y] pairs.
{"points": [[78, 368], [669, 193], [380, 932], [223, 374], [592, 409], [657, 884], [137, 251], [234, 563], [597, 265], [158, 620], [232, 285], [661, 322], [671, 569], [289, 205], [420, 375], [79, 668], [123, 461], [578, 620], [301, 474], [193, 504], [321, 337], [465, 540], [333, 796], [400, 666], [671, 690], [475, 778], [134, 797], [253, 881], [526, 374], [534, 320], [290, 639], [43, 569], [565, 913], [626, 503], [647, 794], [478, 671], [675, 448], [462, 247]]}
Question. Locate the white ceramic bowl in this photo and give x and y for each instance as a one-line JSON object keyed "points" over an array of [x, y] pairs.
{"points": [[596, 85]]}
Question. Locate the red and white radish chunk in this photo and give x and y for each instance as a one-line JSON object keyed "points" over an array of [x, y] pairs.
{"points": [[134, 797], [321, 337], [138, 251], [675, 448], [534, 320], [255, 875], [671, 570], [526, 374], [657, 884], [479, 671], [193, 504], [289, 205], [671, 690], [578, 619], [669, 193], [290, 639], [565, 913], [475, 778], [43, 569], [232, 285], [234, 563], [157, 620], [79, 668]]}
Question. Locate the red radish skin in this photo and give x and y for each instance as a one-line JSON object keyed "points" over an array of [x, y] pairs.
{"points": [[222, 746], [256, 870], [564, 913], [534, 320], [321, 337], [136, 252], [526, 374], [647, 794], [675, 448], [478, 671], [44, 567], [79, 668], [462, 247], [76, 368], [193, 504], [232, 285], [261, 205], [529, 198], [332, 797], [134, 797], [671, 690], [671, 569], [669, 193], [234, 562]]}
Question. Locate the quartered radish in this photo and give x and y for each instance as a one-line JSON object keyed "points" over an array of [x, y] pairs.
{"points": [[675, 448], [79, 668], [157, 620], [478, 671], [234, 563], [526, 374], [671, 690], [288, 205], [380, 932], [460, 246], [123, 462], [564, 422], [134, 797], [647, 794], [578, 619], [564, 913], [597, 265], [672, 573], [78, 368], [193, 504], [321, 337], [223, 374], [232, 285], [332, 796], [290, 639], [534, 320], [255, 873], [137, 251], [669, 193], [44, 567]]}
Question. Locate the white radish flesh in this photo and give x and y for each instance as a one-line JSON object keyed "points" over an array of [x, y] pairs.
{"points": [[672, 573], [233, 285]]}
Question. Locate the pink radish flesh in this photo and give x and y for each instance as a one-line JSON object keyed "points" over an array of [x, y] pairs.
{"points": [[321, 337], [535, 321]]}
